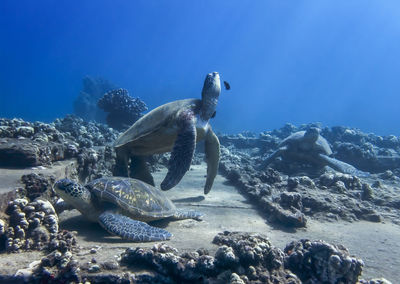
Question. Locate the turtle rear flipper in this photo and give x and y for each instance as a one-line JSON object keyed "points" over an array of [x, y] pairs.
{"points": [[188, 214], [342, 166], [121, 165], [212, 157], [130, 229], [140, 170], [182, 153]]}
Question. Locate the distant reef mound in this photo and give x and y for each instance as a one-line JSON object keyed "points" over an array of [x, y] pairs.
{"points": [[85, 105]]}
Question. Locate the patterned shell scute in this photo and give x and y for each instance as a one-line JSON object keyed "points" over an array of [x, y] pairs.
{"points": [[133, 196]]}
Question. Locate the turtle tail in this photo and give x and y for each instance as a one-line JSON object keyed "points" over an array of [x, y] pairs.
{"points": [[190, 214]]}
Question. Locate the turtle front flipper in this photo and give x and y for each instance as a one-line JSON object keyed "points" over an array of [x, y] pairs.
{"points": [[212, 158], [130, 229], [182, 153], [272, 157], [342, 166], [140, 170]]}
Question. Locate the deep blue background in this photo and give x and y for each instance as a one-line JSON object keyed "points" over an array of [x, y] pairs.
{"points": [[336, 62]]}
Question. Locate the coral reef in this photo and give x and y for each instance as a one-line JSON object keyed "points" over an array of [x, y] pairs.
{"points": [[85, 134], [122, 109], [69, 137], [253, 258], [30, 221], [25, 144], [249, 258], [242, 257], [327, 195], [288, 200], [320, 262], [95, 163], [262, 188], [85, 105], [45, 143]]}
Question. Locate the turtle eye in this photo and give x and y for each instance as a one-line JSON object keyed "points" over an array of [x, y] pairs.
{"points": [[62, 184]]}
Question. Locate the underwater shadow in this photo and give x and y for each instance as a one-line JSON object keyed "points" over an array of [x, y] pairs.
{"points": [[189, 199], [283, 228]]}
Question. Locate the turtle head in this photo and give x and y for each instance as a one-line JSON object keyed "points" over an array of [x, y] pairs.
{"points": [[73, 193], [209, 95], [312, 134]]}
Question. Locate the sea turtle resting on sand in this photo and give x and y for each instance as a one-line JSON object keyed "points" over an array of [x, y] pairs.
{"points": [[309, 146], [122, 205], [175, 126]]}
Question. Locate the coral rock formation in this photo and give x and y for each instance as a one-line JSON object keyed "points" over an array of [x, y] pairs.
{"points": [[122, 109], [31, 224], [320, 262]]}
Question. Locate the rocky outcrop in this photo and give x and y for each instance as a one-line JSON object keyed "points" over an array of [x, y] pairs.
{"points": [[320, 262], [22, 153]]}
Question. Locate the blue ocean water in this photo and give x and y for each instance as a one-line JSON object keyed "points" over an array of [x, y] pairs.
{"points": [[336, 62]]}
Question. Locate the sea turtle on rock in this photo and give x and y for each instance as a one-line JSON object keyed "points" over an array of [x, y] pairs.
{"points": [[176, 127], [122, 205], [309, 146]]}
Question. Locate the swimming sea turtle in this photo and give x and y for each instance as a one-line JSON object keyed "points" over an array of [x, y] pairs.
{"points": [[122, 205], [309, 146], [175, 126]]}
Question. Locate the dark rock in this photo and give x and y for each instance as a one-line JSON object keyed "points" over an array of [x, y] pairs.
{"points": [[110, 278], [291, 199], [37, 184], [372, 217], [291, 216], [270, 176], [22, 153], [367, 192], [110, 265]]}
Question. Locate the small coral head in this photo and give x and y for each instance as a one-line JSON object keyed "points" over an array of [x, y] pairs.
{"points": [[209, 95]]}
